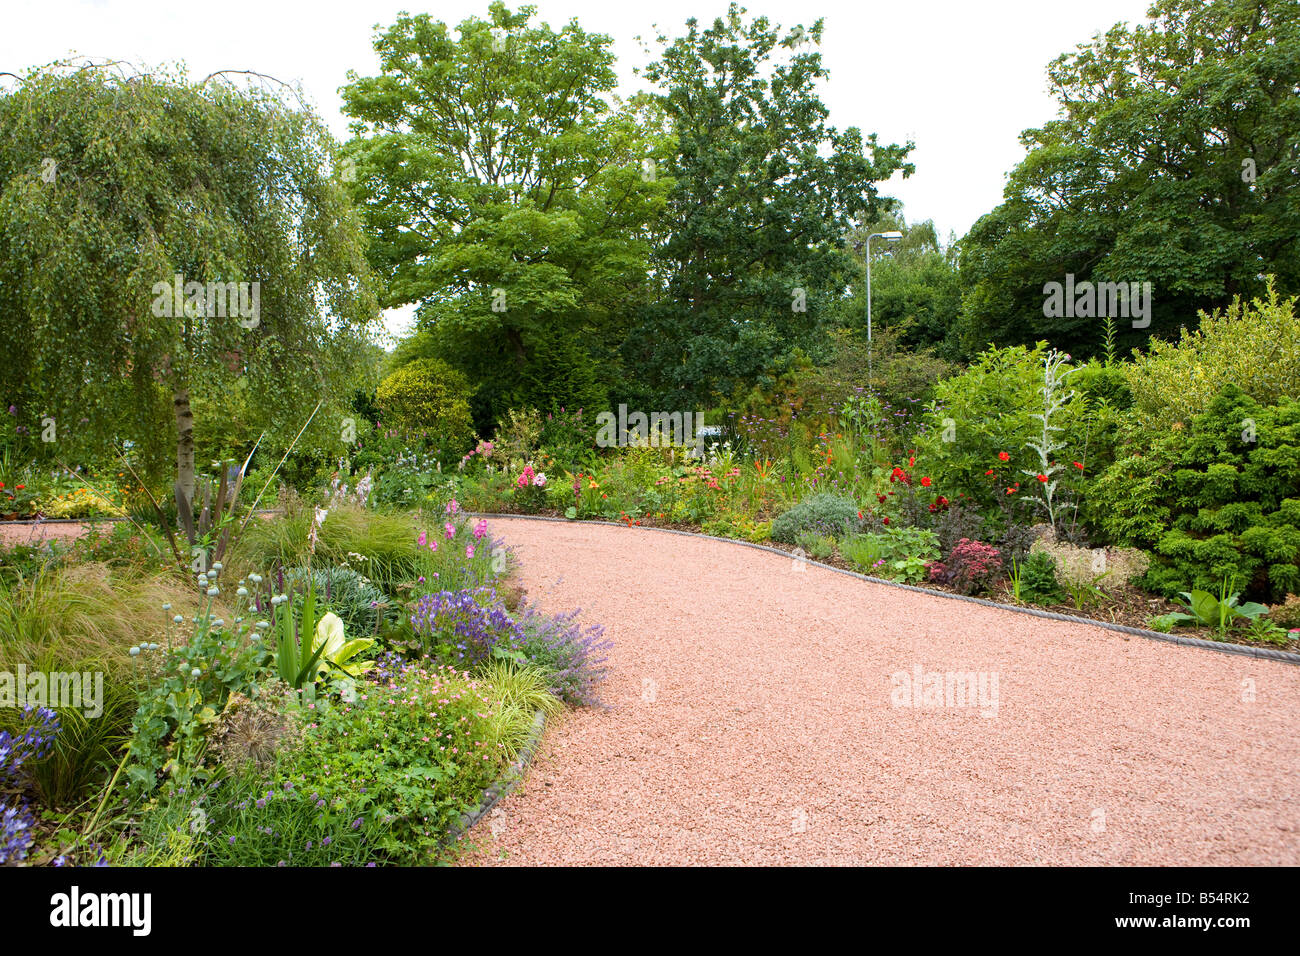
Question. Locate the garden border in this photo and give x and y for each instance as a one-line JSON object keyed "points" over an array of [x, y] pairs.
{"points": [[97, 519], [513, 776], [1244, 650]]}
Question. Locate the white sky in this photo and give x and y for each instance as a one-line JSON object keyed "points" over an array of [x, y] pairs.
{"points": [[961, 78]]}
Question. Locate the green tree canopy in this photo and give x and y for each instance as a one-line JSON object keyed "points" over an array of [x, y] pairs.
{"points": [[113, 185], [915, 285], [1174, 162], [751, 258], [507, 195]]}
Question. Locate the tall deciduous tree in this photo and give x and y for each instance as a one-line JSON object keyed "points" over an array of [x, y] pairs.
{"points": [[508, 196], [764, 191], [1174, 162], [115, 190]]}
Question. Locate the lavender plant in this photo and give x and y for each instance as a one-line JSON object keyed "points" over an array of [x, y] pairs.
{"points": [[32, 743], [466, 627], [571, 654]]}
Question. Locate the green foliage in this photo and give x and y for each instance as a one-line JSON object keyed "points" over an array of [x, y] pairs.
{"points": [[1038, 583], [361, 606], [819, 547], [763, 192], [915, 289], [170, 728], [504, 193], [1218, 612], [1217, 498], [901, 553], [1127, 186], [157, 176], [429, 396], [379, 780], [1255, 346], [824, 513], [1265, 631]]}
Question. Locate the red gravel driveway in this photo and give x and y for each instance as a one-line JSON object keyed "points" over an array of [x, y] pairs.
{"points": [[758, 714]]}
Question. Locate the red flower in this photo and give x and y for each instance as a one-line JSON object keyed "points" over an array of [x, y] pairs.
{"points": [[885, 520], [925, 482], [911, 463], [21, 487], [859, 515], [989, 472], [941, 501], [1079, 466], [882, 498], [1011, 491], [1043, 479], [1003, 456]]}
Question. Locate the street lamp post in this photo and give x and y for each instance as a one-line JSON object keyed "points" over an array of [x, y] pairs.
{"points": [[888, 237]]}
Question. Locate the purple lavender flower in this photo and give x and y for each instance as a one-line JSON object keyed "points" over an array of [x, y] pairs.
{"points": [[472, 622]]}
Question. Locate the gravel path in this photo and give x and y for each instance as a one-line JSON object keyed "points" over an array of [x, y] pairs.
{"points": [[752, 721]]}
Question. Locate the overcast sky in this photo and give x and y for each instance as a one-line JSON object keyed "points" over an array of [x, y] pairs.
{"points": [[959, 78]]}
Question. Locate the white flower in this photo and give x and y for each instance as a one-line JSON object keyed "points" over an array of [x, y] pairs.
{"points": [[178, 619]]}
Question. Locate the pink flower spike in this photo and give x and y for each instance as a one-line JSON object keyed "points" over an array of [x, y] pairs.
{"points": [[451, 530]]}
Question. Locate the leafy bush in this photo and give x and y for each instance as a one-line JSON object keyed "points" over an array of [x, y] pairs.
{"points": [[989, 410], [866, 552], [823, 513], [427, 395], [819, 547], [380, 780], [970, 567], [570, 437], [1286, 614], [1038, 583], [192, 686], [1217, 498], [1255, 346], [900, 553]]}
